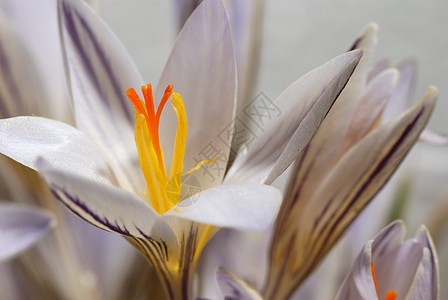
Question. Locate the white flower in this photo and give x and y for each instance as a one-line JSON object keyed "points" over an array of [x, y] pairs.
{"points": [[96, 171], [20, 228], [390, 267]]}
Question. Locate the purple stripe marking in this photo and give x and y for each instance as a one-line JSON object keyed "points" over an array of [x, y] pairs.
{"points": [[60, 193]]}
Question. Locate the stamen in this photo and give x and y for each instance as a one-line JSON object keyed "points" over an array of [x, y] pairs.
{"points": [[166, 96], [149, 100], [372, 267], [164, 191], [135, 99], [391, 295]]}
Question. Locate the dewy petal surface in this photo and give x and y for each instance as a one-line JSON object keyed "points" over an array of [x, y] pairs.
{"points": [[243, 206], [24, 139], [202, 69], [99, 72], [105, 206], [303, 106], [20, 227]]}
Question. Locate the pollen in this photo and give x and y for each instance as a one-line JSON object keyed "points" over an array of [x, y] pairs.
{"points": [[390, 295], [163, 188]]}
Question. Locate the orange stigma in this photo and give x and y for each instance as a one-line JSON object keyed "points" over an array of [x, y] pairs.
{"points": [[391, 295], [148, 111]]}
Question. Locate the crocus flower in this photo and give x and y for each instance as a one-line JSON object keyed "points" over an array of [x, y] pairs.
{"points": [[348, 161], [389, 268], [96, 170], [20, 228]]}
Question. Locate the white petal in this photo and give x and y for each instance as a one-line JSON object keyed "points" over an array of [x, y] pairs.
{"points": [[106, 206], [243, 252], [359, 285], [359, 282], [183, 9], [433, 137], [426, 282], [202, 69], [24, 139], [99, 72], [370, 106], [234, 288], [246, 25], [404, 90], [390, 237], [396, 268], [334, 127], [303, 105], [20, 227], [378, 68], [367, 40], [422, 285], [240, 206]]}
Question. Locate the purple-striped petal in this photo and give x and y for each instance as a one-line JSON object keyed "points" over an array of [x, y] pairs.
{"points": [[333, 129], [109, 208], [234, 288], [318, 217], [99, 72]]}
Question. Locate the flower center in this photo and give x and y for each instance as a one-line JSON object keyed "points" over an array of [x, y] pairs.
{"points": [[390, 295], [163, 190]]}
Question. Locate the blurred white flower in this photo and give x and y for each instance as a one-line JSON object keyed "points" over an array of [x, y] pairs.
{"points": [[390, 267], [20, 228]]}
